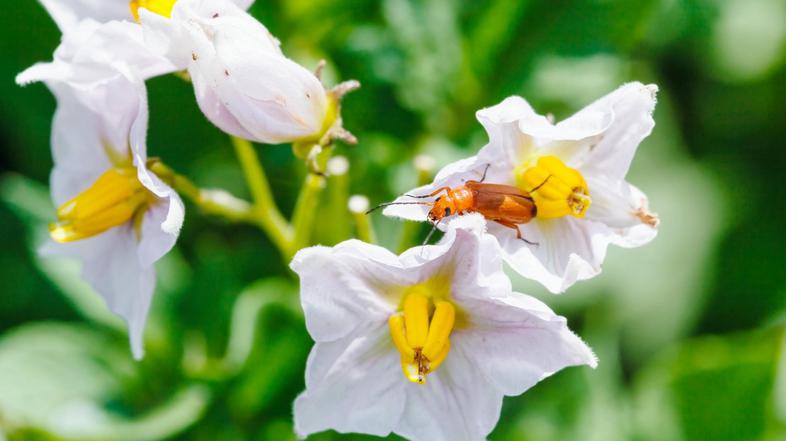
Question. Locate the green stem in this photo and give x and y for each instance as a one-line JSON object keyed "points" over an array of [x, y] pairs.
{"points": [[305, 210], [211, 201], [337, 197], [266, 212], [358, 205]]}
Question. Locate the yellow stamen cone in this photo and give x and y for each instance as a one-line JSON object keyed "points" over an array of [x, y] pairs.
{"points": [[557, 189], [416, 319], [398, 333], [439, 358], [113, 199], [160, 7], [439, 330]]}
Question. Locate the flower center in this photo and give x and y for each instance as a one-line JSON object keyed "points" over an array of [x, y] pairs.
{"points": [[115, 197], [557, 189], [422, 333], [160, 7]]}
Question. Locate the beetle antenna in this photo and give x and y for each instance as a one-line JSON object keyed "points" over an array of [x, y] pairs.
{"points": [[396, 203], [430, 233], [541, 184], [417, 197]]}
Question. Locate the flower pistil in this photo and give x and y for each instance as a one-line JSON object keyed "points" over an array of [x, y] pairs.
{"points": [[557, 189], [116, 197], [421, 332]]}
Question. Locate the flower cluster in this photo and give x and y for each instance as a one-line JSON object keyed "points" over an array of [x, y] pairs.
{"points": [[424, 344]]}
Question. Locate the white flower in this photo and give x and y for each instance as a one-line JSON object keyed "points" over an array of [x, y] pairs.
{"points": [[425, 344], [243, 82], [577, 170], [114, 214]]}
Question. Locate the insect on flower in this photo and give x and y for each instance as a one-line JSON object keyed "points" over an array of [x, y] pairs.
{"points": [[506, 205]]}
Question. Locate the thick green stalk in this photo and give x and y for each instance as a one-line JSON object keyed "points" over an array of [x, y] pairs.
{"points": [[306, 209], [266, 212]]}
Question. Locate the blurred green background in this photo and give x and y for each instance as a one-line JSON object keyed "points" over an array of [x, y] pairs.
{"points": [[689, 329]]}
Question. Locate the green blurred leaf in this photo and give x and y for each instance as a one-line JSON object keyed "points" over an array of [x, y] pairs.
{"points": [[717, 388], [59, 378]]}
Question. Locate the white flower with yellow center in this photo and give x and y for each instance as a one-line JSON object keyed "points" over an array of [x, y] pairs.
{"points": [[424, 344], [243, 82], [113, 214], [574, 174]]}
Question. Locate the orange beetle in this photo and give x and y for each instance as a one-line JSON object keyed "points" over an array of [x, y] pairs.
{"points": [[506, 205]]}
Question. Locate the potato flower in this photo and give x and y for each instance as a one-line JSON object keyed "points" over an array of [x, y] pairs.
{"points": [[113, 214], [574, 172], [424, 344]]}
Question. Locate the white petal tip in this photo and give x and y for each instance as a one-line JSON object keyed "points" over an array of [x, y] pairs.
{"points": [[26, 77]]}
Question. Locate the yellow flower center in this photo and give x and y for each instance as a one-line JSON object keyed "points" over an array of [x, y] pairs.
{"points": [[557, 189], [421, 332], [115, 197], [160, 7]]}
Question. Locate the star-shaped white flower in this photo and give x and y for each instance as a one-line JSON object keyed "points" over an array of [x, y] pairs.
{"points": [[114, 214], [243, 82], [569, 177], [425, 344]]}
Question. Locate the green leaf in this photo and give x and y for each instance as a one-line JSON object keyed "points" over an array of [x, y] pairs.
{"points": [[717, 388], [57, 379]]}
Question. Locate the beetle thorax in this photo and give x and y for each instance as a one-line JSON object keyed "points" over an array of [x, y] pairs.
{"points": [[452, 202]]}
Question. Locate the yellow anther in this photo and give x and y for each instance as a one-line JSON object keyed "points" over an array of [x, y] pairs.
{"points": [[398, 332], [439, 330], [423, 346], [558, 189], [113, 199], [160, 7], [416, 319], [439, 358]]}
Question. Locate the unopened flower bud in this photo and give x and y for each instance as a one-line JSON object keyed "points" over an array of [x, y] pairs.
{"points": [[244, 84]]}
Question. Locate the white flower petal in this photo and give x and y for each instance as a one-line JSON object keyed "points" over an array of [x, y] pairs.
{"points": [[160, 228], [111, 266], [68, 13], [631, 108], [507, 143], [76, 147], [353, 385], [339, 287], [568, 250], [518, 341], [457, 403], [244, 4], [621, 206], [210, 104]]}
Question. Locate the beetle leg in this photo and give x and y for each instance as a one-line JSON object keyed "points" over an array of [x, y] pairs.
{"points": [[434, 193], [518, 231]]}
